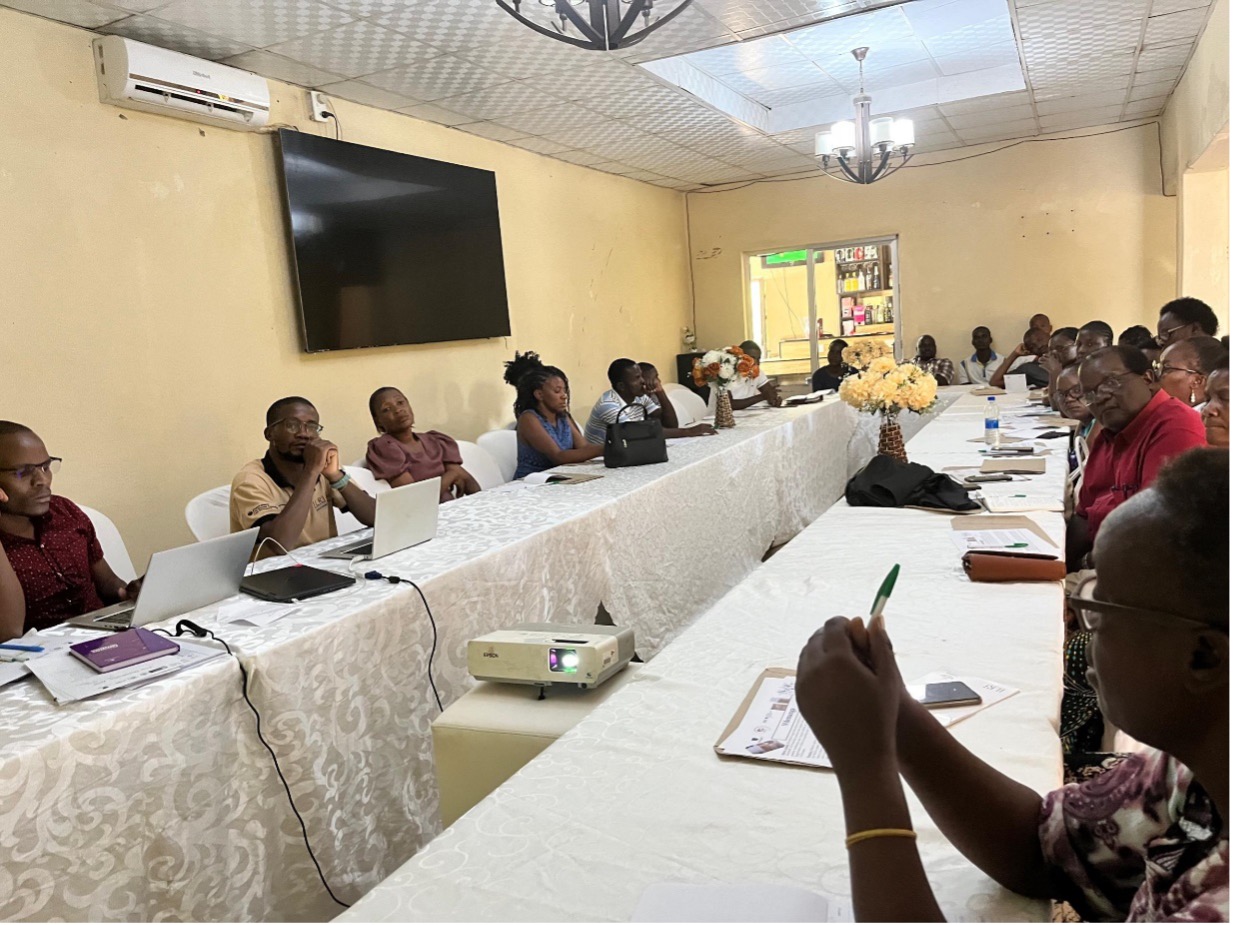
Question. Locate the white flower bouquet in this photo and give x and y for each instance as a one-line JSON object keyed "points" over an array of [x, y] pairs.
{"points": [[721, 368]]}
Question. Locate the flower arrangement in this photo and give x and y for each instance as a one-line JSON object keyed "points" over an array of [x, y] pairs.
{"points": [[886, 387], [861, 354], [721, 368]]}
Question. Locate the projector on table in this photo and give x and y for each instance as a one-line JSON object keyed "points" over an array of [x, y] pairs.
{"points": [[543, 654]]}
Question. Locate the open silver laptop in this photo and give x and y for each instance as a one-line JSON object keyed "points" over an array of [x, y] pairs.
{"points": [[180, 580], [406, 516]]}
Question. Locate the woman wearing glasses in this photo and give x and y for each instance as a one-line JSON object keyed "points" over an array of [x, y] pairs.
{"points": [[1146, 841], [51, 564], [1183, 368]]}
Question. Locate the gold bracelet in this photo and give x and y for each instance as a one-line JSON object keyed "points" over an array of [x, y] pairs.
{"points": [[878, 833]]}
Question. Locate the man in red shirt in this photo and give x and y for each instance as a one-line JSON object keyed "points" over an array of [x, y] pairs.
{"points": [[51, 564], [1140, 430]]}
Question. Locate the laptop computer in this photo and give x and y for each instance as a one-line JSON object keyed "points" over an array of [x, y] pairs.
{"points": [[406, 516], [180, 580]]}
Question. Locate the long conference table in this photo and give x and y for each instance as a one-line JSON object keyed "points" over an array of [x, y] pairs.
{"points": [[634, 795], [160, 802]]}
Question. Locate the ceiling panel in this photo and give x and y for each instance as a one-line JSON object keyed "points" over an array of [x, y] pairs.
{"points": [[467, 64]]}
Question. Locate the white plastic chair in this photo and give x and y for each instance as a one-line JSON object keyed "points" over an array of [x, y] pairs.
{"points": [[114, 550], [480, 463], [502, 445], [689, 407], [345, 521], [208, 515]]}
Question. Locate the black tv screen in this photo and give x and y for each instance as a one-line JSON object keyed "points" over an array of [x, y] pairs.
{"points": [[391, 248]]}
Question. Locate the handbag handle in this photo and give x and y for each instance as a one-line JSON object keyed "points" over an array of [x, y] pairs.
{"points": [[617, 420]]}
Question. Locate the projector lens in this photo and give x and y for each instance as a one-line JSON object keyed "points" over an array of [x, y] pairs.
{"points": [[563, 660]]}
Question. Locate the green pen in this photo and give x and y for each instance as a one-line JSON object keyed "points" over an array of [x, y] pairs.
{"points": [[1016, 546], [884, 593]]}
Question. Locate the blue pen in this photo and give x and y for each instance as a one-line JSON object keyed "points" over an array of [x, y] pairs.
{"points": [[18, 647]]}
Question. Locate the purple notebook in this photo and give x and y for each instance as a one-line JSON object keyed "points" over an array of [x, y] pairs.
{"points": [[131, 647]]}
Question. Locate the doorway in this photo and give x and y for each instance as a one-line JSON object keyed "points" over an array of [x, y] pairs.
{"points": [[800, 299]]}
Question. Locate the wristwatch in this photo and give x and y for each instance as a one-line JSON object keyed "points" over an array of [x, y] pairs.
{"points": [[342, 482]]}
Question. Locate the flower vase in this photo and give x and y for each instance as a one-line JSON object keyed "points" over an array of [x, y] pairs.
{"points": [[724, 409], [891, 439]]}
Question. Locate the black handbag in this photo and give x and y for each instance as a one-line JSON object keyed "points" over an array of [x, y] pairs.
{"points": [[634, 443]]}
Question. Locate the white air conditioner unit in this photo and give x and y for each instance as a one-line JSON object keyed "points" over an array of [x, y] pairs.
{"points": [[153, 79]]}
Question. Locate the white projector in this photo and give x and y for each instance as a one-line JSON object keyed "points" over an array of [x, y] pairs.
{"points": [[543, 654]]}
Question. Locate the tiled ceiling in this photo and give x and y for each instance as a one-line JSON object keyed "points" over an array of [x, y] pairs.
{"points": [[468, 64]]}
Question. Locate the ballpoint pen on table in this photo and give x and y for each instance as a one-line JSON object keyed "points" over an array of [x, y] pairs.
{"points": [[884, 592]]}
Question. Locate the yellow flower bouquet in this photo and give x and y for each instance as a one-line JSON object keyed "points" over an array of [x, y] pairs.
{"points": [[887, 387], [864, 352]]}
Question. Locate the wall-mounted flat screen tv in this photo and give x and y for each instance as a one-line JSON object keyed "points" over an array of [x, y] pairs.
{"points": [[390, 248]]}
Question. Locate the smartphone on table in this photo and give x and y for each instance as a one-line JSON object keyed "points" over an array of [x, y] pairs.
{"points": [[944, 694]]}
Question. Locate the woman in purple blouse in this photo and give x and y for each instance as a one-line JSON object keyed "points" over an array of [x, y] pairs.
{"points": [[401, 456]]}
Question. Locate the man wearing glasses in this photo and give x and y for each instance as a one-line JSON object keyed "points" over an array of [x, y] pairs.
{"points": [[1184, 318], [1140, 430], [292, 491], [51, 564]]}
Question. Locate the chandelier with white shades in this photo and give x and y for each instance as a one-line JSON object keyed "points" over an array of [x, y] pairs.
{"points": [[861, 151], [600, 25]]}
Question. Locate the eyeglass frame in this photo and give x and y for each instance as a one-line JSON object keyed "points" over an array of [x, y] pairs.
{"points": [[1160, 369], [292, 426], [1161, 339], [49, 467], [1102, 385], [1161, 617]]}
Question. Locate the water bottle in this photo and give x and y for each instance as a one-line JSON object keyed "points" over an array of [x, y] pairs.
{"points": [[991, 421]]}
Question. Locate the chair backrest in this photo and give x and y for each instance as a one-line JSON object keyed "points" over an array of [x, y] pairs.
{"points": [[502, 446], [208, 515], [114, 550], [482, 466], [689, 407], [345, 521]]}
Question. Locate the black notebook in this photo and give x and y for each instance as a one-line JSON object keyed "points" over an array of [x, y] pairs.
{"points": [[294, 583]]}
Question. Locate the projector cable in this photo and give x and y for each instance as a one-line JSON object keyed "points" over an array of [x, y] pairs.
{"points": [[189, 628], [396, 580]]}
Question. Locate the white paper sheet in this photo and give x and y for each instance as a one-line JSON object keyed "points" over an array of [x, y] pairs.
{"points": [[725, 902], [1018, 499], [69, 680], [1024, 541], [774, 730], [13, 663], [253, 611]]}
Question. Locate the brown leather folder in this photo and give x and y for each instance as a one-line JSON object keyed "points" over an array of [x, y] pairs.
{"points": [[990, 565]]}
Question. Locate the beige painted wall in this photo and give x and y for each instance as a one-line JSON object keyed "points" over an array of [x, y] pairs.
{"points": [[1199, 108], [148, 317], [1204, 270], [1077, 229]]}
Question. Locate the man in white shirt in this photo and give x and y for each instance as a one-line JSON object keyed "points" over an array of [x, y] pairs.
{"points": [[978, 368], [747, 392], [626, 378]]}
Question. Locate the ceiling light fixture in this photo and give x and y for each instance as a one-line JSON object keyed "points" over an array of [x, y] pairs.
{"points": [[862, 149], [600, 25]]}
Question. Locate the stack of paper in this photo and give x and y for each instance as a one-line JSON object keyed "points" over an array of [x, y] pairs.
{"points": [[69, 680]]}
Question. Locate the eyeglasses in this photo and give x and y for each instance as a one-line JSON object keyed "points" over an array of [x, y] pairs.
{"points": [[1164, 336], [1107, 388], [1091, 610], [1160, 369], [292, 426], [25, 473], [1076, 392]]}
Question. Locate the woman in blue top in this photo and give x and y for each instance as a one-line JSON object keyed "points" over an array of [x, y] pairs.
{"points": [[547, 434]]}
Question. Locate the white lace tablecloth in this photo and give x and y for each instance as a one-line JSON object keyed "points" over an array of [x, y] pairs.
{"points": [[160, 802], [634, 795]]}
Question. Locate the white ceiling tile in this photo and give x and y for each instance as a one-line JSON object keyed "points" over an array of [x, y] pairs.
{"points": [[773, 98], [431, 112], [686, 119], [435, 78], [1175, 28], [492, 130], [980, 103], [1159, 75], [968, 120], [74, 12], [279, 68], [133, 6], [366, 9], [176, 37], [1150, 89], [1143, 108], [973, 37], [254, 23], [1152, 59], [1081, 101], [1162, 7], [540, 145], [1093, 69], [1069, 50], [452, 24], [1058, 16], [498, 102], [741, 15], [692, 30], [356, 49], [1075, 87], [1000, 127], [780, 77], [645, 176], [560, 117], [368, 95], [624, 105], [582, 158], [533, 57], [978, 60], [747, 56], [602, 79], [1082, 119]]}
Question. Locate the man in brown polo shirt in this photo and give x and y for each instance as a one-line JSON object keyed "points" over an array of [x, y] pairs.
{"points": [[292, 491]]}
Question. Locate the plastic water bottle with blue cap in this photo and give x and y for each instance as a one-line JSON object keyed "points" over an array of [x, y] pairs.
{"points": [[991, 421]]}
